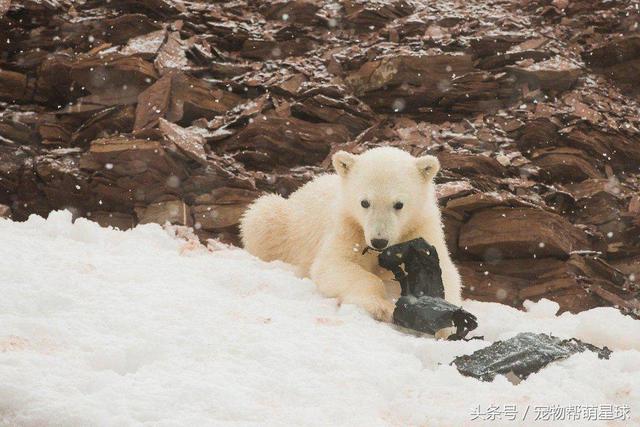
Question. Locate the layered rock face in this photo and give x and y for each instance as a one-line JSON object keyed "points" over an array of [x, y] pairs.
{"points": [[131, 112]]}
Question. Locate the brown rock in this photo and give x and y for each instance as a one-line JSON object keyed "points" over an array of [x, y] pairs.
{"points": [[427, 75], [54, 84], [122, 150], [349, 112], [629, 266], [597, 201], [519, 233], [119, 220], [219, 173], [189, 141], [627, 305], [574, 301], [179, 98], [453, 190], [512, 281], [108, 121], [467, 164], [538, 133], [128, 172], [565, 165], [172, 55], [489, 287], [554, 75], [13, 87], [618, 59], [4, 6], [477, 201], [5, 211], [215, 217], [269, 141], [19, 128], [120, 75], [273, 49], [502, 59], [222, 208], [13, 165], [296, 11], [451, 225], [120, 29], [620, 150], [371, 14], [488, 45], [146, 45], [171, 211], [614, 52], [56, 131], [64, 185], [155, 7]]}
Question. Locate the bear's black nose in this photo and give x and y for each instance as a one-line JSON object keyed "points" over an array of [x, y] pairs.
{"points": [[379, 243]]}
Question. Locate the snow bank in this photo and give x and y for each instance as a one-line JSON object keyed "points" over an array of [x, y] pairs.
{"points": [[103, 327]]}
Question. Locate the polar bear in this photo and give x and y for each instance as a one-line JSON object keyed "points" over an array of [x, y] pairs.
{"points": [[379, 198]]}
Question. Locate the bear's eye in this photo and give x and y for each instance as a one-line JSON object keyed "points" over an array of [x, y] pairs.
{"points": [[365, 204], [398, 206]]}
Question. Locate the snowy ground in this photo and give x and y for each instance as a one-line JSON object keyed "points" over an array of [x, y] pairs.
{"points": [[102, 327]]}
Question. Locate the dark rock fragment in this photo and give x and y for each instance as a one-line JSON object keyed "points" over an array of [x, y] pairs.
{"points": [[522, 355]]}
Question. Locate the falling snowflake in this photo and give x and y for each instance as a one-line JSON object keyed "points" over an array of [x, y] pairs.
{"points": [[398, 105]]}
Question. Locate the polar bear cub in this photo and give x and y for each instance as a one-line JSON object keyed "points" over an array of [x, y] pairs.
{"points": [[377, 199]]}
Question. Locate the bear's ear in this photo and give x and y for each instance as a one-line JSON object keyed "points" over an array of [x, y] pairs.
{"points": [[428, 166], [342, 162]]}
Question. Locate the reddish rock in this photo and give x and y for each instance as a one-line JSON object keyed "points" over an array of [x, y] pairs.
{"points": [[5, 211], [170, 211], [520, 233]]}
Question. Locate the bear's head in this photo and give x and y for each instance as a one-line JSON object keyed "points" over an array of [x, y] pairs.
{"points": [[386, 191]]}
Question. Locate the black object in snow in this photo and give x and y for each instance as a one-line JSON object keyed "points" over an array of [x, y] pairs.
{"points": [[521, 355], [422, 306], [430, 314], [421, 275]]}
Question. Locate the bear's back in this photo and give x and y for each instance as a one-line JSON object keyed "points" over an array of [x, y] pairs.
{"points": [[312, 209]]}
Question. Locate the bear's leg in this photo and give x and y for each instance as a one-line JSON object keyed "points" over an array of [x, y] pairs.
{"points": [[352, 284], [263, 228], [450, 279]]}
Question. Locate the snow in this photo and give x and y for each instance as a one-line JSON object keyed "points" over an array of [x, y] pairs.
{"points": [[104, 327], [557, 63], [147, 43]]}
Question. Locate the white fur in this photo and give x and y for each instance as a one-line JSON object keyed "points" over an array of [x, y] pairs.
{"points": [[322, 228]]}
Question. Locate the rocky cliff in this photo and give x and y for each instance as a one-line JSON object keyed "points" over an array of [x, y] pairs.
{"points": [[141, 111]]}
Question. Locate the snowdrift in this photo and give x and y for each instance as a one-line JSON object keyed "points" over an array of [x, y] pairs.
{"points": [[104, 327]]}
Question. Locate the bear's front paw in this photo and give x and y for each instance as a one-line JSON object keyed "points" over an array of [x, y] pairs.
{"points": [[444, 333], [379, 308]]}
